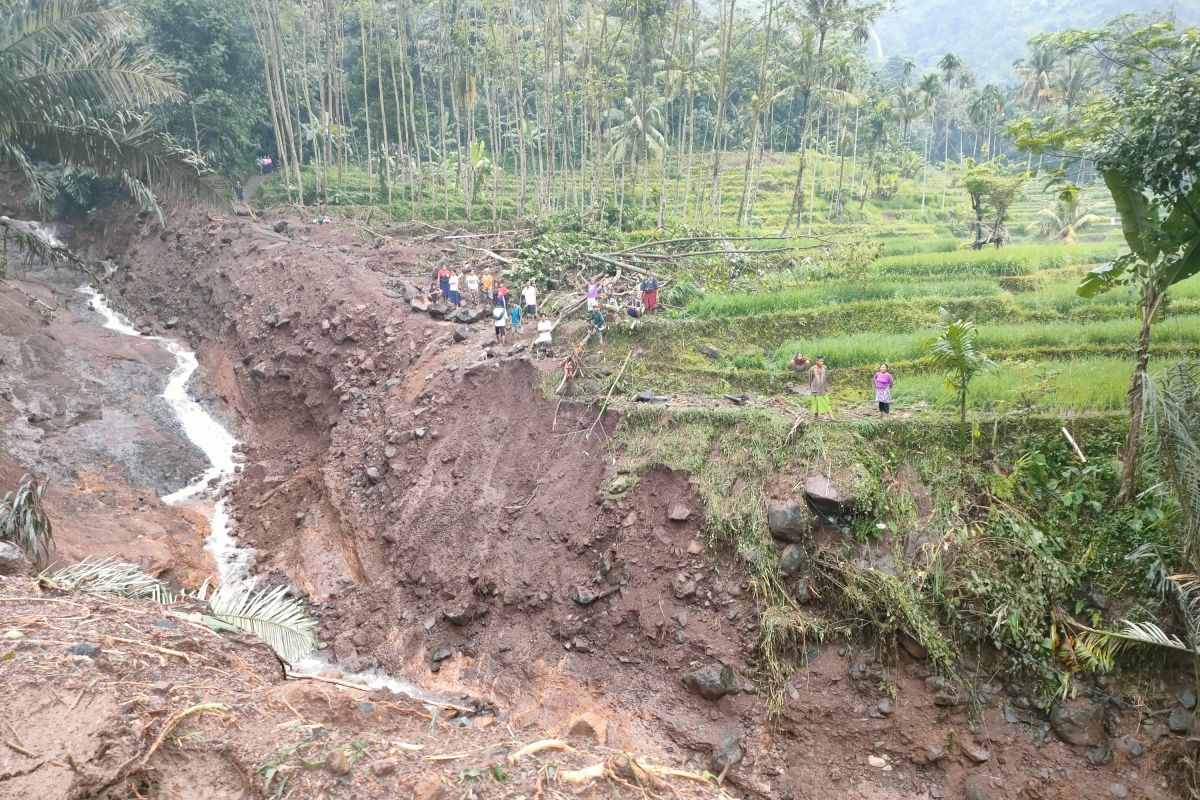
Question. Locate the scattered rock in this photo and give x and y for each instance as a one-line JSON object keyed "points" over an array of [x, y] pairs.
{"points": [[679, 513], [650, 396], [712, 682], [791, 559], [441, 654], [1128, 746], [1100, 755], [84, 649], [884, 707], [12, 560], [337, 763], [585, 596], [878, 762], [172, 323], [281, 227], [461, 333], [429, 789], [979, 787], [974, 751], [914, 648], [467, 316], [374, 475], [1081, 724], [826, 497], [384, 768], [1181, 720], [1187, 699], [710, 351], [1118, 790], [789, 522], [726, 754]]}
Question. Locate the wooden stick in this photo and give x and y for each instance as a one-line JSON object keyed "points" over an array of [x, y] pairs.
{"points": [[1075, 447], [539, 746], [361, 688]]}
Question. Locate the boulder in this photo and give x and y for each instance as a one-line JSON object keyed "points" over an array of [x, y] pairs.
{"points": [[712, 682], [979, 787], [1181, 720], [710, 351], [789, 522], [679, 513], [1081, 724], [826, 497], [281, 227], [791, 559], [467, 316], [419, 304], [441, 310], [461, 333], [726, 754], [12, 560]]}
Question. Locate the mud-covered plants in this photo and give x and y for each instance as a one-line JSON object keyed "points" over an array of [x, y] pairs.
{"points": [[108, 576], [270, 614], [24, 521], [956, 351]]}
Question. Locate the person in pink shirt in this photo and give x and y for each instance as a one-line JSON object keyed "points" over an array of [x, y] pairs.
{"points": [[883, 390]]}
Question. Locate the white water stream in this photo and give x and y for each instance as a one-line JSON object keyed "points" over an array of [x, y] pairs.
{"points": [[202, 430], [233, 560]]}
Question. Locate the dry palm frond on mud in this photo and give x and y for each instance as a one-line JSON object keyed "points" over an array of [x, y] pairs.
{"points": [[23, 520], [269, 614]]}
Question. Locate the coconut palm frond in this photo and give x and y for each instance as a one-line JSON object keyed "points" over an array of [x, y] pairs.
{"points": [[1172, 405], [270, 614], [108, 576], [1149, 633], [1096, 650], [24, 521]]}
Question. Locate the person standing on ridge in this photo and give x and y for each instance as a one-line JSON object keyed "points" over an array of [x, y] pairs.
{"points": [[516, 318], [650, 294], [818, 386], [443, 276], [500, 320], [883, 390], [502, 295], [473, 287], [455, 297], [529, 298], [239, 191], [486, 283]]}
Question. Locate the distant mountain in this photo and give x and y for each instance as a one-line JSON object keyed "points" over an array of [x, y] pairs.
{"points": [[990, 35]]}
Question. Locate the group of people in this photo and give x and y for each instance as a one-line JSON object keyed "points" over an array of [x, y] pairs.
{"points": [[600, 293], [265, 164], [454, 288], [818, 386]]}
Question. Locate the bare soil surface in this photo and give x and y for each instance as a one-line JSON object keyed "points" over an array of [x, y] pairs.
{"points": [[457, 527]]}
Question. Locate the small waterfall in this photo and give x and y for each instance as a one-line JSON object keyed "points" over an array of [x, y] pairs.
{"points": [[202, 430]]}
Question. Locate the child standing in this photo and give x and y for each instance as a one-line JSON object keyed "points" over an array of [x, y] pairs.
{"points": [[500, 320], [516, 318], [883, 390], [598, 325], [473, 287], [818, 386], [486, 283]]}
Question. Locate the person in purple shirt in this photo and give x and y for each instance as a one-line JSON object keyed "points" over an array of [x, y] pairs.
{"points": [[883, 390]]}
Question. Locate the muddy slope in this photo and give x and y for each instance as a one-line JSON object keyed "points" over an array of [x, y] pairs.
{"points": [[452, 524]]}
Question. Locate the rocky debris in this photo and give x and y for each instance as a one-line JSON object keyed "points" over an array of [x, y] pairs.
{"points": [[650, 396], [282, 227], [429, 789], [884, 707], [441, 654], [585, 596], [1187, 699], [827, 497], [709, 351], [974, 751], [171, 323], [789, 522], [1181, 720], [1118, 790], [878, 762], [86, 649], [12, 560], [945, 694], [461, 333], [726, 754], [441, 310], [468, 316], [679, 513], [712, 682], [337, 763], [1081, 724], [979, 787], [791, 559], [1100, 755], [1128, 747]]}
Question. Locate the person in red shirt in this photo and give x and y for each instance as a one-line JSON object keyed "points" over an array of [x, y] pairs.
{"points": [[502, 295]]}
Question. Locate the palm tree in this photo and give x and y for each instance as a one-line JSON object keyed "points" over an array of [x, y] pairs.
{"points": [[951, 67], [956, 350], [1037, 77], [908, 108], [71, 94], [1064, 220]]}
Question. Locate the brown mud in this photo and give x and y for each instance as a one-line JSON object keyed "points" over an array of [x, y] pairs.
{"points": [[457, 527]]}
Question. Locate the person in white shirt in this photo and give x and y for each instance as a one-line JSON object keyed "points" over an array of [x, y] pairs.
{"points": [[455, 297], [473, 286], [529, 297]]}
